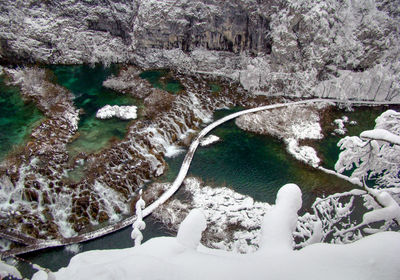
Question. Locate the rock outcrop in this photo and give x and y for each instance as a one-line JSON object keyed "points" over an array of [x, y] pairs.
{"points": [[273, 47]]}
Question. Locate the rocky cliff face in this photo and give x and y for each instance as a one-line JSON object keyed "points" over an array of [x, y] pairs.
{"points": [[273, 47]]}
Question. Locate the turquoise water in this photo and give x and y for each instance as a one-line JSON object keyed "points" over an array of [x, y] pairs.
{"points": [[85, 83], [255, 165], [215, 88], [161, 79], [17, 118]]}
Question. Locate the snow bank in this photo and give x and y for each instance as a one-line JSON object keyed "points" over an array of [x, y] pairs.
{"points": [[374, 257], [122, 112]]}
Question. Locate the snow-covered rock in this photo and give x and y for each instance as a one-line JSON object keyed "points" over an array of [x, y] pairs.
{"points": [[331, 49], [306, 154], [292, 124], [211, 139], [122, 112], [341, 129], [225, 210]]}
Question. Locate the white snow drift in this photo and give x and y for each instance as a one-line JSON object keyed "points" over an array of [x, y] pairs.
{"points": [[374, 257]]}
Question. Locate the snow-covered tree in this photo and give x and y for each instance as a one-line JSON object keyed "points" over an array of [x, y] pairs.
{"points": [[375, 155]]}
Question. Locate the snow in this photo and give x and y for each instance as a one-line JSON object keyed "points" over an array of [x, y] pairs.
{"points": [[292, 123], [306, 154], [381, 134], [373, 257], [391, 210], [190, 230], [122, 112], [307, 130], [280, 222], [341, 127], [223, 208], [211, 139], [375, 154], [8, 270]]}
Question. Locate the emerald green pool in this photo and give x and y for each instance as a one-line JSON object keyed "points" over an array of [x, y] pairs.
{"points": [[17, 118], [160, 79], [256, 165], [85, 83]]}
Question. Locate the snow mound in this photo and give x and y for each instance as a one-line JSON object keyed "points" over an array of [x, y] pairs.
{"points": [[122, 112], [373, 257], [190, 230]]}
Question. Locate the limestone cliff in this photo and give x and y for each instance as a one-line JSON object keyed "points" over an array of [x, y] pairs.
{"points": [[273, 47]]}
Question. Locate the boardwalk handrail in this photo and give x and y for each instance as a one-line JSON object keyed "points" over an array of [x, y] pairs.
{"points": [[178, 180]]}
